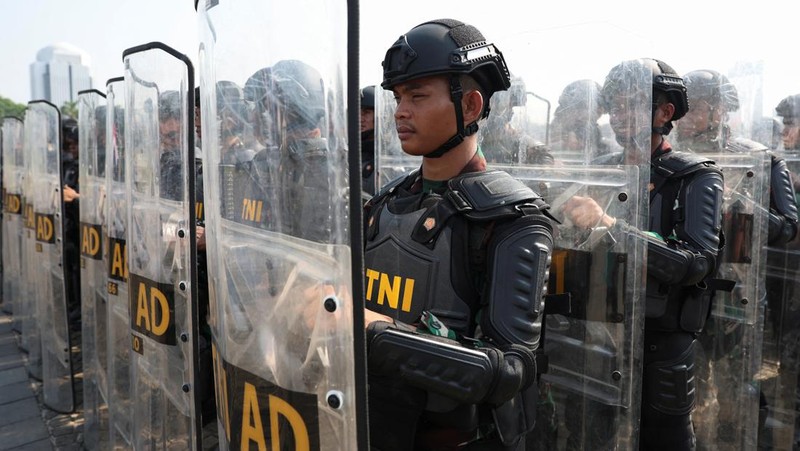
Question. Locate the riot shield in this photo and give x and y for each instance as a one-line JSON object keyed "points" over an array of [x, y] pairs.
{"points": [[593, 312], [94, 308], [516, 131], [49, 287], [726, 415], [284, 246], [781, 351], [115, 265], [159, 137], [31, 339], [592, 389], [13, 166]]}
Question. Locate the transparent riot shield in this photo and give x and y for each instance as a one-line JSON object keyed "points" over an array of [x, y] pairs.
{"points": [[283, 226], [159, 138], [30, 339], [94, 304], [13, 165], [593, 312], [781, 352], [390, 160], [517, 130], [727, 411], [115, 265], [49, 286]]}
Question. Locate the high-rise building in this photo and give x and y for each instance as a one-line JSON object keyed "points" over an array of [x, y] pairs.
{"points": [[60, 71]]}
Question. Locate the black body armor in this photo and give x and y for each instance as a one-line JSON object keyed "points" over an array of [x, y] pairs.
{"points": [[685, 210], [475, 257]]}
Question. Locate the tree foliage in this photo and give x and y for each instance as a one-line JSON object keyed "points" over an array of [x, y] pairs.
{"points": [[9, 108], [70, 108]]}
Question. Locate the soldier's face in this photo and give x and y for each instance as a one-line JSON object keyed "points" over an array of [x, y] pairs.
{"points": [[367, 119], [630, 116], [197, 126], [425, 116], [791, 134], [170, 134], [71, 147], [700, 117]]}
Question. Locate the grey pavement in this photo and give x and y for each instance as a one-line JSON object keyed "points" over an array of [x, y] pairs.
{"points": [[22, 426], [25, 423]]}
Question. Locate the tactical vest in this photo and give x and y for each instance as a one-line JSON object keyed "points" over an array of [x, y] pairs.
{"points": [[679, 307], [430, 254]]}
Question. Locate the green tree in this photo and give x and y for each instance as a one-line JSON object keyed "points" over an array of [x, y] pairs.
{"points": [[9, 108], [70, 108]]}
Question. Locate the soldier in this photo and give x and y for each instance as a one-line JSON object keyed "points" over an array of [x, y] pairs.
{"points": [[724, 367], [169, 138], [505, 143], [69, 169], [289, 104], [789, 110], [705, 129], [574, 126], [368, 141], [682, 248], [454, 364]]}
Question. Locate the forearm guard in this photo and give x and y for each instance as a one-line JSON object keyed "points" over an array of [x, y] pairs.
{"points": [[783, 210], [781, 229], [677, 265], [447, 368]]}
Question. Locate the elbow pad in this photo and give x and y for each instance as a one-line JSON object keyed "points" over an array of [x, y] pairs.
{"points": [[781, 229], [445, 367], [673, 266], [519, 261], [783, 215]]}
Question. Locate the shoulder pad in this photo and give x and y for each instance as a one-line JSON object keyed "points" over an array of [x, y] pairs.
{"points": [[390, 187], [493, 195], [679, 164], [745, 145], [482, 191]]}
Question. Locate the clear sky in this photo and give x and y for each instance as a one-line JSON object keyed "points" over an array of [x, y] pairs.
{"points": [[547, 42]]}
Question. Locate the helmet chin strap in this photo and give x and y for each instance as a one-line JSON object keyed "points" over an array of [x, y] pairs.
{"points": [[456, 94], [664, 129]]}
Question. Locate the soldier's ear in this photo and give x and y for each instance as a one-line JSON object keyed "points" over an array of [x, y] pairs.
{"points": [[472, 105]]}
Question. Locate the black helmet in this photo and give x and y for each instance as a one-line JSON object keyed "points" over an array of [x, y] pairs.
{"points": [[69, 129], [294, 87], [789, 107], [230, 104], [713, 88], [625, 77], [580, 95], [169, 105], [368, 97], [445, 46]]}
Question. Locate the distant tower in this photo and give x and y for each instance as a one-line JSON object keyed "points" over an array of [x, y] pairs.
{"points": [[60, 71]]}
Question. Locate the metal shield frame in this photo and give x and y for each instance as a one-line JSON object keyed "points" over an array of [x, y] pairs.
{"points": [[288, 319], [58, 384], [730, 345], [13, 164], [161, 251], [94, 302], [31, 336], [594, 315], [116, 270]]}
